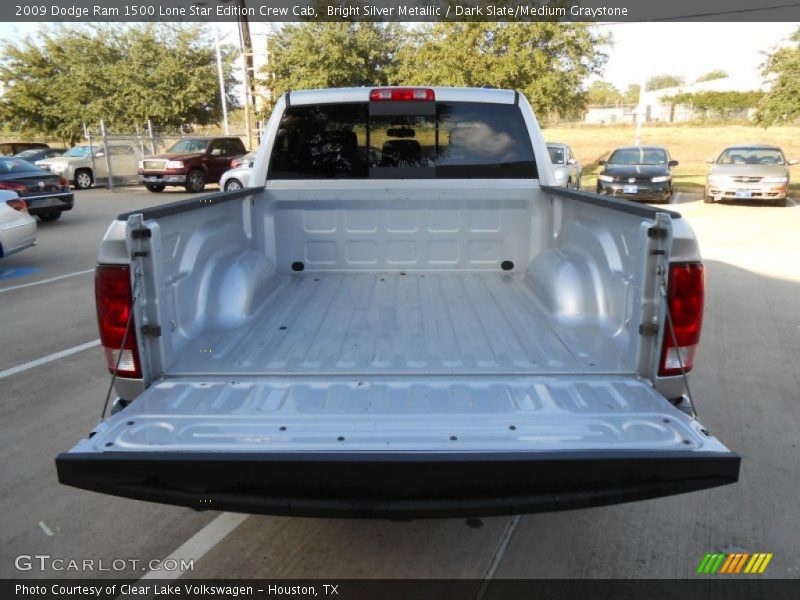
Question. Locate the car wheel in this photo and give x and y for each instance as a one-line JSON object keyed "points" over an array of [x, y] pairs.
{"points": [[708, 199], [155, 188], [83, 179], [52, 215], [232, 185], [195, 181]]}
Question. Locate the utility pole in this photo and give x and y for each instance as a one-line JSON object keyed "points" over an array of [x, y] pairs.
{"points": [[221, 81], [249, 72]]}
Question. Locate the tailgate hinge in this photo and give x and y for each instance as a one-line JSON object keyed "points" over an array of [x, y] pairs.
{"points": [[656, 232], [142, 233], [648, 329], [151, 330]]}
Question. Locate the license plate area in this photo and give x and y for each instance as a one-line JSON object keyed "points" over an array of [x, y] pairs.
{"points": [[743, 194], [630, 189]]}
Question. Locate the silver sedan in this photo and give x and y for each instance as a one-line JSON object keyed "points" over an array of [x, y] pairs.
{"points": [[17, 227], [749, 173], [566, 167]]}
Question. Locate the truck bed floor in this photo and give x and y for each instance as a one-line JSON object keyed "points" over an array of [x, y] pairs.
{"points": [[394, 323]]}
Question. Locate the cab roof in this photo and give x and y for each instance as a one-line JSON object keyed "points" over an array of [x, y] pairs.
{"points": [[361, 94]]}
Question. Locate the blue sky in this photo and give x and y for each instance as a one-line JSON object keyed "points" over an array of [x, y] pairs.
{"points": [[640, 50]]}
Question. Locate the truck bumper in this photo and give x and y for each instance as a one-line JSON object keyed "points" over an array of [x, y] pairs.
{"points": [[396, 485], [162, 179]]}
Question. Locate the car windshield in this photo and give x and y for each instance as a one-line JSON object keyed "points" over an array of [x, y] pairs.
{"points": [[79, 152], [28, 154], [638, 156], [17, 165], [751, 156], [189, 146], [556, 155]]}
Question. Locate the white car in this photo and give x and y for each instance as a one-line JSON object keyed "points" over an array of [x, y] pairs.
{"points": [[238, 177], [17, 227], [566, 167]]}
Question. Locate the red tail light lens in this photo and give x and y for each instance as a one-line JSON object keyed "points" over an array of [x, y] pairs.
{"points": [[406, 94], [114, 305], [685, 300], [17, 204], [63, 182], [14, 187]]}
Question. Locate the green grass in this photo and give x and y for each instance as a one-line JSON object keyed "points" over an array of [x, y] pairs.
{"points": [[689, 144]]}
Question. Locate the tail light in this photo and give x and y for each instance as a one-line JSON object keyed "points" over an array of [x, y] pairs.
{"points": [[114, 304], [12, 186], [685, 301], [408, 94], [63, 182], [17, 204], [234, 163]]}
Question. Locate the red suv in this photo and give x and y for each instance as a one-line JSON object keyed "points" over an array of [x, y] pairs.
{"points": [[191, 163]]}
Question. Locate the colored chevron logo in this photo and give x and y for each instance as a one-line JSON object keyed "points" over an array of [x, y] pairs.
{"points": [[736, 563]]}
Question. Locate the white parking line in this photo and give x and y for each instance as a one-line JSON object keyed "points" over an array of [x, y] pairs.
{"points": [[199, 544], [46, 359], [24, 285]]}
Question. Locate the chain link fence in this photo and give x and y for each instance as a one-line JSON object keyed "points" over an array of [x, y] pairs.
{"points": [[116, 156]]}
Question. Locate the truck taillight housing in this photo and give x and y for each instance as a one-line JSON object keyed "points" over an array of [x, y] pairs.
{"points": [[407, 94], [685, 294], [112, 287]]}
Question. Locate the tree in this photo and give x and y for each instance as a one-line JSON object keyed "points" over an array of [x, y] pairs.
{"points": [[60, 79], [547, 61], [631, 95], [339, 54], [659, 82], [782, 101], [603, 93], [712, 75]]}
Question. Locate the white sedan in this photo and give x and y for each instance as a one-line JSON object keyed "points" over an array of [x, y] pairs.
{"points": [[238, 177], [17, 227]]}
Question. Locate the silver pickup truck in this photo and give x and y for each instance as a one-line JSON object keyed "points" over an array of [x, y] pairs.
{"points": [[403, 317]]}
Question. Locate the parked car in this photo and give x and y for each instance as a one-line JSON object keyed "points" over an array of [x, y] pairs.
{"points": [[238, 176], [46, 194], [243, 160], [12, 148], [191, 163], [17, 227], [752, 172], [441, 332], [637, 173], [85, 165], [567, 169], [34, 154]]}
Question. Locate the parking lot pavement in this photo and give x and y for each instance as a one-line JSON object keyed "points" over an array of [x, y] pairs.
{"points": [[745, 384]]}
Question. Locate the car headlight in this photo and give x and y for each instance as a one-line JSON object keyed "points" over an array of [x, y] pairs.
{"points": [[174, 164], [719, 179], [775, 180], [57, 167], [660, 178], [141, 164], [560, 174], [605, 178]]}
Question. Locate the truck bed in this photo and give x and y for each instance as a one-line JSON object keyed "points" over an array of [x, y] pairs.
{"points": [[453, 323]]}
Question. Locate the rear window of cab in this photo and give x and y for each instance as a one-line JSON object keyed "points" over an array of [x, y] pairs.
{"points": [[454, 140]]}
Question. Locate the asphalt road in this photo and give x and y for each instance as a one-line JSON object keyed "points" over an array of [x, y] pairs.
{"points": [[746, 382]]}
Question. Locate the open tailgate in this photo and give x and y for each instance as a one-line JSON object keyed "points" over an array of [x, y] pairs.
{"points": [[389, 447]]}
